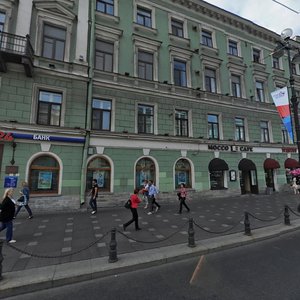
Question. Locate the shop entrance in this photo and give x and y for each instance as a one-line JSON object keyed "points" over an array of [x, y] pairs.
{"points": [[270, 166], [248, 177]]}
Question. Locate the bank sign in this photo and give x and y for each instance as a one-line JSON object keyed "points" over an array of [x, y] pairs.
{"points": [[231, 148]]}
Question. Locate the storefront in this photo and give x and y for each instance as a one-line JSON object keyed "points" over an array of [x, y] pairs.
{"points": [[248, 177], [289, 165], [270, 167], [218, 170]]}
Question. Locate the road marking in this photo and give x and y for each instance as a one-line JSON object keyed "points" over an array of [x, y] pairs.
{"points": [[197, 270]]}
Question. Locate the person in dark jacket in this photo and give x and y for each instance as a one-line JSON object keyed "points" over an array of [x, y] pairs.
{"points": [[7, 214], [23, 200]]}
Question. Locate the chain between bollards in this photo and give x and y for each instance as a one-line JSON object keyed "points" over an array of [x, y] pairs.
{"points": [[286, 215], [247, 224], [113, 247], [1, 258], [191, 233]]}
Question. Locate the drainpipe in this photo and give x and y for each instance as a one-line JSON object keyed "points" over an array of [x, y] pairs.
{"points": [[91, 47]]}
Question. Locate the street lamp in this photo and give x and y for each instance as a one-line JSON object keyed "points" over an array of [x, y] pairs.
{"points": [[282, 45]]}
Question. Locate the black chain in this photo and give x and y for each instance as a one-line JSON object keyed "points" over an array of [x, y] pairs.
{"points": [[218, 232], [266, 220], [58, 256], [293, 211], [153, 242]]}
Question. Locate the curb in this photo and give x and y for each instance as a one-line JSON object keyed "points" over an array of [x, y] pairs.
{"points": [[30, 280]]}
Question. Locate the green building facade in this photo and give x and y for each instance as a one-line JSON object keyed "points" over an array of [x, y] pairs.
{"points": [[122, 91]]}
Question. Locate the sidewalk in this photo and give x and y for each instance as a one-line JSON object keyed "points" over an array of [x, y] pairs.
{"points": [[163, 238]]}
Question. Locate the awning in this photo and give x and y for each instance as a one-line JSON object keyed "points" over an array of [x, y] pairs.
{"points": [[271, 164], [217, 164], [246, 165], [291, 163]]}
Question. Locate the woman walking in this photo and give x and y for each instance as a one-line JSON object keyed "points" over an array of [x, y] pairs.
{"points": [[23, 200], [182, 196], [7, 214], [135, 200]]}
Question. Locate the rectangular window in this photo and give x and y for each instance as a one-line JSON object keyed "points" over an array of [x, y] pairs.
{"points": [[256, 55], [180, 78], [210, 80], [2, 21], [145, 65], [233, 48], [275, 61], [101, 114], [294, 69], [181, 123], [49, 108], [264, 132], [213, 127], [177, 27], [206, 38], [144, 17], [239, 129], [54, 40], [145, 119], [236, 85], [259, 88], [105, 6], [104, 56], [284, 134]]}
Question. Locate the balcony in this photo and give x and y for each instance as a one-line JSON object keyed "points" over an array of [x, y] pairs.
{"points": [[16, 49]]}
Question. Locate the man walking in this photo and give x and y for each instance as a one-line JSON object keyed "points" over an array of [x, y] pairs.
{"points": [[152, 192], [94, 195]]}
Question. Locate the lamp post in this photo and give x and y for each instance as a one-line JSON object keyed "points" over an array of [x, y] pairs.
{"points": [[285, 44]]}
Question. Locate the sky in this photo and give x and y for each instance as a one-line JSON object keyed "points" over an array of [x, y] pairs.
{"points": [[266, 13]]}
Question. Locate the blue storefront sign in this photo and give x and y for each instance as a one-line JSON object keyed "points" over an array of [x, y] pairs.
{"points": [[10, 181], [48, 138]]}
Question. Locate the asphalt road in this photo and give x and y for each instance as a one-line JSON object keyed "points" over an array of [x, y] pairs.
{"points": [[260, 271]]}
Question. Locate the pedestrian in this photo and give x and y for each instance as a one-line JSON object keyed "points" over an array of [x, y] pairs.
{"points": [[135, 200], [145, 193], [7, 214], [94, 195], [182, 197], [23, 200], [152, 193]]}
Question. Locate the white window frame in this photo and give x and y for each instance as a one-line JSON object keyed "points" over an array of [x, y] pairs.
{"points": [[229, 38], [113, 109], [111, 35], [185, 56], [155, 117], [6, 7], [269, 130], [190, 124], [212, 63], [220, 123], [245, 127], [116, 11], [35, 99], [145, 5], [213, 36], [261, 55], [147, 45], [65, 21], [179, 19]]}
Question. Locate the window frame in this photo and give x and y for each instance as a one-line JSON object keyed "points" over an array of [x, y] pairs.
{"points": [[265, 132], [183, 73], [102, 111], [240, 129], [236, 87], [213, 127], [105, 5], [180, 123], [257, 55], [105, 54], [175, 29], [209, 40], [260, 91], [140, 9], [145, 63], [2, 24], [234, 51], [208, 80], [144, 117]]}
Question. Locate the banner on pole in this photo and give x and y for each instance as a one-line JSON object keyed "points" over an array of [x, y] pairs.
{"points": [[281, 100]]}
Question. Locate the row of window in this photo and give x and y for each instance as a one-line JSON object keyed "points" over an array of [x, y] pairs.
{"points": [[49, 112]]}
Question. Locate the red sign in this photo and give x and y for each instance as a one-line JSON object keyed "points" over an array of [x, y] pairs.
{"points": [[289, 149], [6, 136]]}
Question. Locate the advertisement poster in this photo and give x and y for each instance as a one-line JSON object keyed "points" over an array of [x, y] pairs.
{"points": [[99, 176], [182, 177], [10, 181], [45, 180]]}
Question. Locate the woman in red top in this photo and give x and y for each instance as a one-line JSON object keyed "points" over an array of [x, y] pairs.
{"points": [[182, 196], [135, 200]]}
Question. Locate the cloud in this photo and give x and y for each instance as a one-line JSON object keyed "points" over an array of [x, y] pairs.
{"points": [[265, 13]]}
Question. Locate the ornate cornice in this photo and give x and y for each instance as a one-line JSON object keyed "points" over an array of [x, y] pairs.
{"points": [[228, 18]]}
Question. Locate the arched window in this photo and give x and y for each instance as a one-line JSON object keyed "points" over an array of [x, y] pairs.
{"points": [[145, 169], [99, 168], [183, 173], [44, 175]]}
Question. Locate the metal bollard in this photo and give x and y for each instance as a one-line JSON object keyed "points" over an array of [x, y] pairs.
{"points": [[191, 233], [247, 224], [113, 247], [1, 258], [286, 216]]}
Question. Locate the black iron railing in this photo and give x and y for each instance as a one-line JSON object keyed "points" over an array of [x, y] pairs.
{"points": [[15, 44]]}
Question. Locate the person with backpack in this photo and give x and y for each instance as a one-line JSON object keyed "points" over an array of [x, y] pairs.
{"points": [[134, 203], [152, 192], [94, 195]]}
